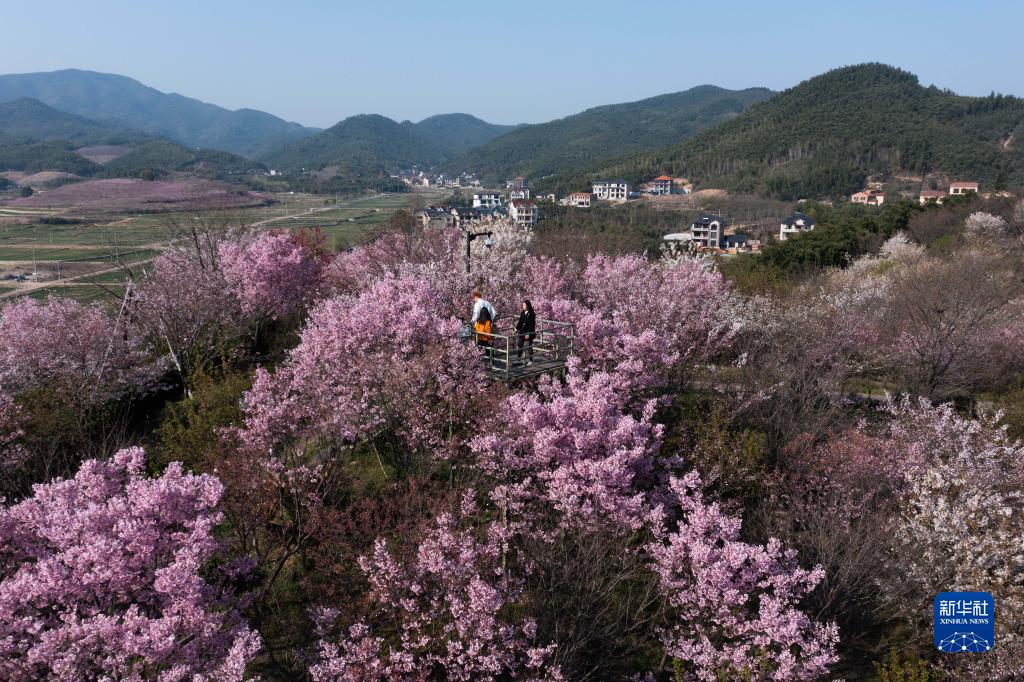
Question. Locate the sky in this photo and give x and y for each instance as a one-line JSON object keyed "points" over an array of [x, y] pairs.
{"points": [[507, 62]]}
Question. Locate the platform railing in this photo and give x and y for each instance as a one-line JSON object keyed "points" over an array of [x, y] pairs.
{"points": [[506, 354]]}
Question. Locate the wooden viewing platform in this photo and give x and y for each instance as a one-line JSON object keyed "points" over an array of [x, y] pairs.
{"points": [[552, 346]]}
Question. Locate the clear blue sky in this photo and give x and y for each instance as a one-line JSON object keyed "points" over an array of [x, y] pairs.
{"points": [[507, 62]]}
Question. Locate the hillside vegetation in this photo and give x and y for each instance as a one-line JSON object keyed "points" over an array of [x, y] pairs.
{"points": [[30, 118], [822, 137], [456, 133], [606, 132], [109, 97], [160, 158]]}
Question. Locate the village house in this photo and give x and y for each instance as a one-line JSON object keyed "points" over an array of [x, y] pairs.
{"points": [[518, 182], [435, 217], [522, 193], [463, 214], [522, 212], [936, 195], [661, 185], [486, 200], [869, 197], [578, 199], [707, 231], [795, 224], [546, 196], [959, 187], [611, 190]]}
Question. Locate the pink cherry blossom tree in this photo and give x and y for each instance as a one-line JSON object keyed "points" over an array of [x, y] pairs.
{"points": [[107, 575], [271, 273], [77, 350], [736, 605], [648, 320], [385, 367], [448, 608]]}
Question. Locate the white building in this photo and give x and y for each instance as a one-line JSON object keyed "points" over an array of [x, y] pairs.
{"points": [[795, 224], [579, 199], [707, 231], [522, 212], [521, 193], [611, 190], [487, 200], [661, 185], [957, 188]]}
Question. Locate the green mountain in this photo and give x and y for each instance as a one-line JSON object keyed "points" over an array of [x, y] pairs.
{"points": [[31, 157], [457, 133], [30, 118], [822, 137], [160, 158], [606, 132], [367, 139], [107, 97]]}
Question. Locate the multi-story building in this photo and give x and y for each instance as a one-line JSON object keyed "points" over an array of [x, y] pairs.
{"points": [[661, 185], [611, 190], [522, 193], [522, 212], [707, 231], [870, 197], [487, 200], [795, 224], [959, 187], [518, 182]]}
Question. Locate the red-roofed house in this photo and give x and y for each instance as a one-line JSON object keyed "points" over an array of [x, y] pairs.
{"points": [[936, 195], [661, 185], [959, 187]]}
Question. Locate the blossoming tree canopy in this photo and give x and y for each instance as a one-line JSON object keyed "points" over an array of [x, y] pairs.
{"points": [[65, 345], [271, 273], [103, 576], [448, 605], [385, 361]]}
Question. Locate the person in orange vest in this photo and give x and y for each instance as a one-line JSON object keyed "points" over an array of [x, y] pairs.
{"points": [[483, 318]]}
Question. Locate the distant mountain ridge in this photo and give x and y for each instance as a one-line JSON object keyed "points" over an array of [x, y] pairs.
{"points": [[372, 140], [605, 132], [457, 133], [110, 98], [822, 137]]}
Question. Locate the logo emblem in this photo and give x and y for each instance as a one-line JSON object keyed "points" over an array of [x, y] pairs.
{"points": [[964, 622]]}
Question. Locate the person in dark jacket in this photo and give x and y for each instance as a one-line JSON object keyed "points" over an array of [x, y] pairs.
{"points": [[526, 328]]}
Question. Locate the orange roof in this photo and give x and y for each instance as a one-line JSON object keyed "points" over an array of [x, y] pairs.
{"points": [[663, 177]]}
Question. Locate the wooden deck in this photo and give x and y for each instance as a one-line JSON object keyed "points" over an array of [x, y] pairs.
{"points": [[552, 346]]}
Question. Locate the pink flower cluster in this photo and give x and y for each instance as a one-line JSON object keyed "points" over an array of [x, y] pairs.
{"points": [[737, 604], [102, 577], [446, 606], [271, 274], [385, 362], [70, 347]]}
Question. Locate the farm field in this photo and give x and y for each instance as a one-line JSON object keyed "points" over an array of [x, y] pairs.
{"points": [[70, 249]]}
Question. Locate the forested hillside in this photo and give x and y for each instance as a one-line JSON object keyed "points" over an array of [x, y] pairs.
{"points": [[30, 118], [456, 133], [366, 139], [605, 132], [822, 137]]}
